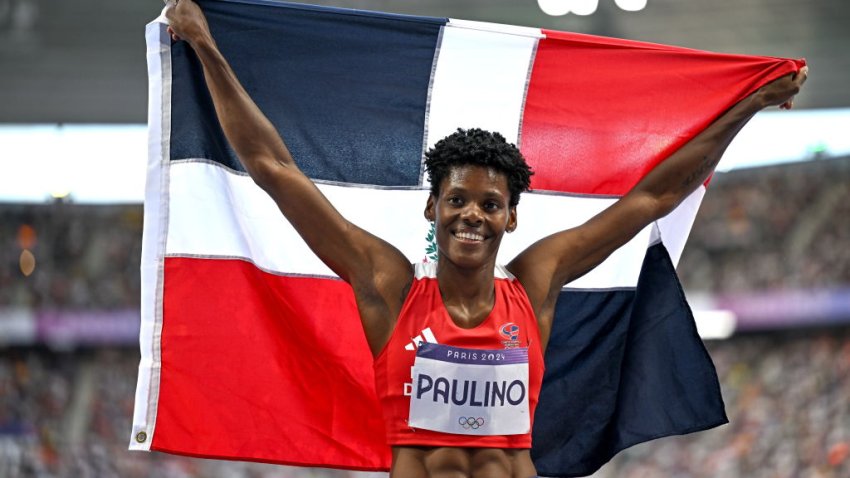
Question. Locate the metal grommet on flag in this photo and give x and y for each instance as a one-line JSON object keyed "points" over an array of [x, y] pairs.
{"points": [[141, 437]]}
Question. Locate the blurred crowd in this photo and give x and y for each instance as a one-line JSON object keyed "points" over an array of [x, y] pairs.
{"points": [[777, 227], [69, 414], [70, 256]]}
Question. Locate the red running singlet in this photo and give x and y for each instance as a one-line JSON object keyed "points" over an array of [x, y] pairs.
{"points": [[424, 318]]}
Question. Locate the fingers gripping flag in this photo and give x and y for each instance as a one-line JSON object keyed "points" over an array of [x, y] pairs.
{"points": [[251, 347]]}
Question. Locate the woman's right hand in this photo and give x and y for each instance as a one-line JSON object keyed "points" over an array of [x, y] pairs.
{"points": [[186, 21]]}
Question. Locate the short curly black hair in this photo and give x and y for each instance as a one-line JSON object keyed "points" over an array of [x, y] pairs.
{"points": [[476, 146]]}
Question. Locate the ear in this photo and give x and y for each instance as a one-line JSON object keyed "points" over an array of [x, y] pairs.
{"points": [[430, 213], [512, 220]]}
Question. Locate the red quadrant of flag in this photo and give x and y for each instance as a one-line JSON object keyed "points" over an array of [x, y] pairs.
{"points": [[602, 112], [237, 338]]}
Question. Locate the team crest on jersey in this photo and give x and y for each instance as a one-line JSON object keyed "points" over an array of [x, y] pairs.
{"points": [[510, 335]]}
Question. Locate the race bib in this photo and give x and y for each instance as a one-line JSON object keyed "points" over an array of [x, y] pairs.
{"points": [[470, 391]]}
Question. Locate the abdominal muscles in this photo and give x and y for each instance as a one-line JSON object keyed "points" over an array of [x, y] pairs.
{"points": [[450, 462]]}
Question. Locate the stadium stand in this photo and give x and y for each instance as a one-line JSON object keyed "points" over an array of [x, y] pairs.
{"points": [[775, 227]]}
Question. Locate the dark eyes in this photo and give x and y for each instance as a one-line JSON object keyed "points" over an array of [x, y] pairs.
{"points": [[456, 201]]}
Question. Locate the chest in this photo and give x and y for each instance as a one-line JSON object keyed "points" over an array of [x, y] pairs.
{"points": [[505, 323]]}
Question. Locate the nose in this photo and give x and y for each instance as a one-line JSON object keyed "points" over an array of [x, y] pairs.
{"points": [[472, 215]]}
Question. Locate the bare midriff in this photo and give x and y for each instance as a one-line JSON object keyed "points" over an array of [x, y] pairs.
{"points": [[454, 462]]}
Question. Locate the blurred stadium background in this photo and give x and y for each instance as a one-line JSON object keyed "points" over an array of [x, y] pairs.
{"points": [[767, 267]]}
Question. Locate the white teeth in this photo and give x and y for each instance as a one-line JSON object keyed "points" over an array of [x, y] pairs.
{"points": [[469, 236]]}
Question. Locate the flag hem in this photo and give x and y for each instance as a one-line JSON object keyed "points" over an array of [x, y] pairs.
{"points": [[155, 235]]}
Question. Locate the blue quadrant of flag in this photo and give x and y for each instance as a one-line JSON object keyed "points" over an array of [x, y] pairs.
{"points": [[326, 106], [615, 365]]}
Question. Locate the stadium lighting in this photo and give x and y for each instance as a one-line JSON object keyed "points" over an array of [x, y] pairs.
{"points": [[715, 324], [631, 5], [82, 163], [584, 7], [555, 8]]}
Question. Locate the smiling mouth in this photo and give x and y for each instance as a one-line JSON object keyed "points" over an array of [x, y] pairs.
{"points": [[469, 236]]}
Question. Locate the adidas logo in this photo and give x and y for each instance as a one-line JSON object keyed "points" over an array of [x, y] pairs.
{"points": [[425, 336]]}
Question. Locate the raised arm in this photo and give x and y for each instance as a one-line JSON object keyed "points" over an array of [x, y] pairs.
{"points": [[377, 271], [547, 265]]}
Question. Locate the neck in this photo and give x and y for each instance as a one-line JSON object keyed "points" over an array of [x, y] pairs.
{"points": [[468, 294]]}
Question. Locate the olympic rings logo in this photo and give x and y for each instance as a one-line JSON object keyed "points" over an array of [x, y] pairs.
{"points": [[470, 422]]}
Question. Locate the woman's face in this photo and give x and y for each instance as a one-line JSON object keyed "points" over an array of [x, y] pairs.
{"points": [[471, 214]]}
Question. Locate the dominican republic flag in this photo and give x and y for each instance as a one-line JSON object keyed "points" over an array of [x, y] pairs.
{"points": [[251, 347]]}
